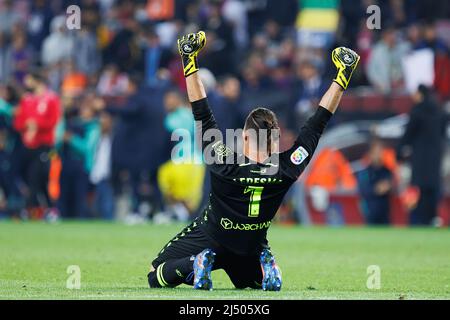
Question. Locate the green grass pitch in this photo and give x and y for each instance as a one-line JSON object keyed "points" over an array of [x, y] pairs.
{"points": [[317, 262]]}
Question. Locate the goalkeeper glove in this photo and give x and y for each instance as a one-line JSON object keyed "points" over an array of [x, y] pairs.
{"points": [[345, 61], [189, 46]]}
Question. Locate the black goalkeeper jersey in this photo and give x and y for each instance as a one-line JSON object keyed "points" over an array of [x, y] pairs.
{"points": [[245, 195]]}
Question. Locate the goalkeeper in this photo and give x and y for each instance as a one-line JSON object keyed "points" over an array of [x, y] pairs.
{"points": [[245, 190]]}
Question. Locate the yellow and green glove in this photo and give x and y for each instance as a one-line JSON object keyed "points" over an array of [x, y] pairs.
{"points": [[189, 46], [346, 61]]}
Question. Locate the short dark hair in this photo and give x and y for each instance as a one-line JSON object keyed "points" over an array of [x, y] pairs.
{"points": [[37, 75], [13, 96], [424, 90]]}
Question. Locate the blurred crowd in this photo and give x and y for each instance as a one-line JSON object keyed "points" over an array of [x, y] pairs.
{"points": [[87, 114]]}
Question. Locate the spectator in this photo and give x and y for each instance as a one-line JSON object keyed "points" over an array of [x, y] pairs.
{"points": [[58, 45], [5, 59], [20, 57], [74, 81], [227, 102], [273, 32], [431, 40], [442, 60], [7, 182], [283, 64], [424, 135], [160, 10], [112, 82], [140, 120], [86, 56], [219, 53], [375, 185], [414, 37], [11, 202], [8, 17], [329, 173], [36, 118], [154, 55], [8, 105], [91, 13], [79, 144], [38, 25], [100, 175], [384, 68], [124, 48], [180, 179], [8, 99], [235, 13], [309, 89]]}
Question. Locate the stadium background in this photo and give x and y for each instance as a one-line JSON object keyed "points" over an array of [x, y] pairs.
{"points": [[121, 92]]}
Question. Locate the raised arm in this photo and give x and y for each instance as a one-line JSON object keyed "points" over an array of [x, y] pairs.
{"points": [[195, 89], [189, 46]]}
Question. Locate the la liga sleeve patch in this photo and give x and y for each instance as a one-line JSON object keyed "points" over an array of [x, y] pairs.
{"points": [[299, 155]]}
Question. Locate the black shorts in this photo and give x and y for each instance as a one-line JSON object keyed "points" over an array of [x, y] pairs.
{"points": [[244, 271]]}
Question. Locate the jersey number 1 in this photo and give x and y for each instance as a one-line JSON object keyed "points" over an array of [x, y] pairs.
{"points": [[255, 199]]}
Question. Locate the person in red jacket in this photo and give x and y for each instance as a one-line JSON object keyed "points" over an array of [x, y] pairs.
{"points": [[36, 119]]}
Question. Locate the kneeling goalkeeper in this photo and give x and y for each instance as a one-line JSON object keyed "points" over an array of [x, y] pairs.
{"points": [[231, 232]]}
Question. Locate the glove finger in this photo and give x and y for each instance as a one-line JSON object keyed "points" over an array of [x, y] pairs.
{"points": [[346, 51], [179, 41], [353, 53], [334, 57], [201, 38]]}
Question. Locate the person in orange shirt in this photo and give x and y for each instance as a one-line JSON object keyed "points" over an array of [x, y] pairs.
{"points": [[74, 82], [159, 10], [331, 171]]}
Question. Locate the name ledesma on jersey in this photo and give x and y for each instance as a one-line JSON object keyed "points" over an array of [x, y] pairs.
{"points": [[258, 180]]}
